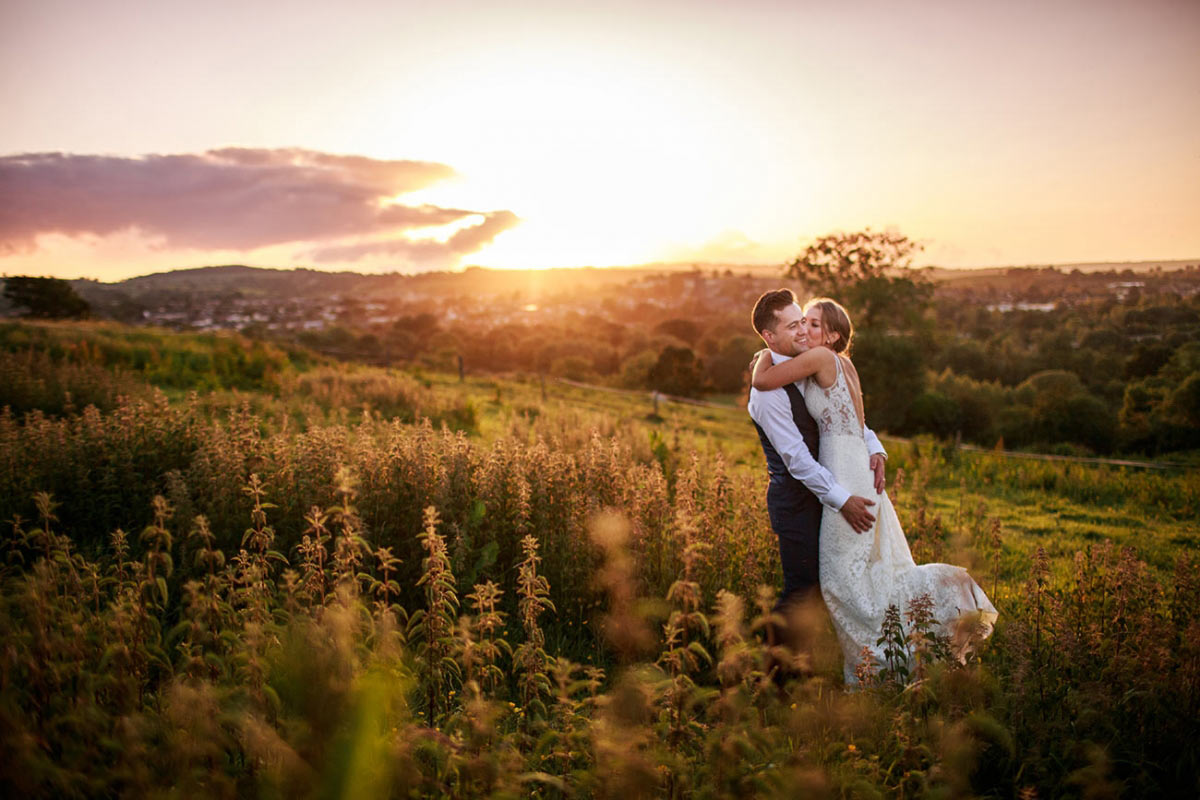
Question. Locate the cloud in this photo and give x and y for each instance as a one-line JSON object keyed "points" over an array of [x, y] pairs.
{"points": [[234, 199], [425, 252]]}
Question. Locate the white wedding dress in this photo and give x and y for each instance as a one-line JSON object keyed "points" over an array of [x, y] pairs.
{"points": [[863, 573]]}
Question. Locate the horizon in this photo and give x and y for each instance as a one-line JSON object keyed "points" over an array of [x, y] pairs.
{"points": [[1086, 267], [526, 134]]}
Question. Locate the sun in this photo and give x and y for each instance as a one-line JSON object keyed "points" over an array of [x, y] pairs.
{"points": [[607, 160]]}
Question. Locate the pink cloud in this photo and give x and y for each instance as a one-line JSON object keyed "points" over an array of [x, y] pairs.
{"points": [[427, 253], [229, 199]]}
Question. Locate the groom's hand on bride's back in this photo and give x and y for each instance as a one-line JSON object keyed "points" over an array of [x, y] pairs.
{"points": [[856, 513]]}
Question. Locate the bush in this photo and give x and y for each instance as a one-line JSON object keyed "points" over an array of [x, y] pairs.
{"points": [[933, 412]]}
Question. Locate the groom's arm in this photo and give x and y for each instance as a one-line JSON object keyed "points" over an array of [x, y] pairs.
{"points": [[773, 412]]}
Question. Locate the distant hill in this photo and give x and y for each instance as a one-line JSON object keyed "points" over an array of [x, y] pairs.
{"points": [[247, 280], [304, 281], [128, 298], [300, 282], [942, 273]]}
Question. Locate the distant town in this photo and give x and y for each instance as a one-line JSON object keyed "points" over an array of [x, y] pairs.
{"points": [[280, 301]]}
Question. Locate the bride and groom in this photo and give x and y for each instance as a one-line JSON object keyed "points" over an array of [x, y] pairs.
{"points": [[838, 532]]}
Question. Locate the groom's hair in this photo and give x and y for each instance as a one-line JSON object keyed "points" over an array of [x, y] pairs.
{"points": [[770, 304]]}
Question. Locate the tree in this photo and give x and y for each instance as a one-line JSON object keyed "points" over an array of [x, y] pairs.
{"points": [[727, 368], [685, 330], [45, 298], [967, 357], [637, 369], [979, 404], [860, 270], [573, 368], [892, 369], [678, 372], [839, 258], [1185, 401], [1062, 410]]}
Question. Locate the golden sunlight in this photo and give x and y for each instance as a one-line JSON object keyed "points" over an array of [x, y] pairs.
{"points": [[607, 158]]}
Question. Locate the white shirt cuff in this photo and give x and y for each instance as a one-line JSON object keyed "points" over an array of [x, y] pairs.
{"points": [[836, 498]]}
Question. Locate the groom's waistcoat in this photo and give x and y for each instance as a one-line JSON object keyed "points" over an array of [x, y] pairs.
{"points": [[786, 495], [808, 429]]}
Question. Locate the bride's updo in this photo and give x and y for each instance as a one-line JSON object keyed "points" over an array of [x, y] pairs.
{"points": [[834, 319]]}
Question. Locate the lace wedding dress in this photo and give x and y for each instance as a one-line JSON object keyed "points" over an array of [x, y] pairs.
{"points": [[863, 573]]}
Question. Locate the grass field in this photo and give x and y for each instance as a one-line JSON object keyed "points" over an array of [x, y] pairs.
{"points": [[320, 580], [1061, 507]]}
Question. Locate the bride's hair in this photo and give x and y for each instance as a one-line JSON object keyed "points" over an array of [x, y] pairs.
{"points": [[835, 319]]}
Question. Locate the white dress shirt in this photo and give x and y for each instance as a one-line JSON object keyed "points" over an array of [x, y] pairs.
{"points": [[772, 410]]}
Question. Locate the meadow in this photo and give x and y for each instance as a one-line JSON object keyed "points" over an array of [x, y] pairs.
{"points": [[234, 569]]}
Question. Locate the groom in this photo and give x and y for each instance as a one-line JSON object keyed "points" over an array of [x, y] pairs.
{"points": [[799, 486]]}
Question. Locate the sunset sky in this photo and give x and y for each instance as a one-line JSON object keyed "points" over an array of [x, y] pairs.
{"points": [[380, 135]]}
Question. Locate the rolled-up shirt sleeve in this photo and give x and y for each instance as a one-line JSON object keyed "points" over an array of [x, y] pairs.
{"points": [[773, 412]]}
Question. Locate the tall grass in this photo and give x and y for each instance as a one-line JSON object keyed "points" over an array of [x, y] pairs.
{"points": [[201, 361], [32, 381], [1173, 493], [262, 685]]}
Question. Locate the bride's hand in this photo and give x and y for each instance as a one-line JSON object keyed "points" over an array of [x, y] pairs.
{"points": [[878, 464], [761, 360], [754, 360]]}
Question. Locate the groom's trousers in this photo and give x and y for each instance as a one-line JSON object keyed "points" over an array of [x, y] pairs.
{"points": [[795, 512], [795, 515]]}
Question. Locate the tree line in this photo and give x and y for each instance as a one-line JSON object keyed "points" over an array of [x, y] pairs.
{"points": [[1100, 374], [1105, 372]]}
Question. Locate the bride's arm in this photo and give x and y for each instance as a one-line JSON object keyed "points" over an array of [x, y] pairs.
{"points": [[877, 460], [772, 376], [874, 446]]}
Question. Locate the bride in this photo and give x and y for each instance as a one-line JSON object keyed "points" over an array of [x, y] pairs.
{"points": [[863, 573]]}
